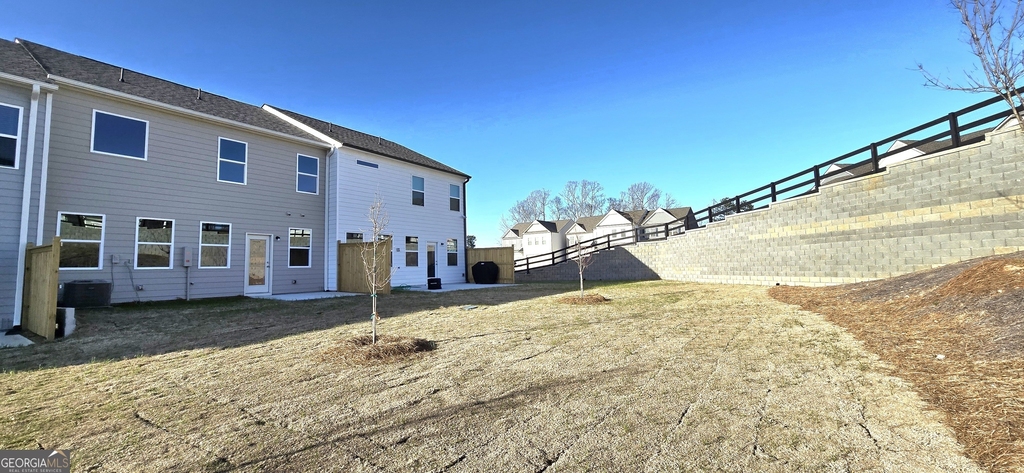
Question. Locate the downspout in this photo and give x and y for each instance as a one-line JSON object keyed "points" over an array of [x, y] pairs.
{"points": [[465, 232], [44, 171], [26, 200], [327, 217]]}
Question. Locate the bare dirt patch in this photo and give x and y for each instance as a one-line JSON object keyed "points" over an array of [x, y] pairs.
{"points": [[360, 349], [588, 299], [664, 377], [956, 333]]}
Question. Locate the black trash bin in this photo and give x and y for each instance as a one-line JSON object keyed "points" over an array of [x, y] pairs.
{"points": [[485, 272]]}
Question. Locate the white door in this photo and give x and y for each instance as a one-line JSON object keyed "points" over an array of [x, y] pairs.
{"points": [[257, 263]]}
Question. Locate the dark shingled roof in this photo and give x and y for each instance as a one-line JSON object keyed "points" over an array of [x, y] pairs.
{"points": [[369, 143], [519, 228], [588, 223], [680, 212], [99, 74], [551, 227], [16, 61]]}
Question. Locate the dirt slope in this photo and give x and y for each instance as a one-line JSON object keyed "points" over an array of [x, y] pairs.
{"points": [[956, 333]]}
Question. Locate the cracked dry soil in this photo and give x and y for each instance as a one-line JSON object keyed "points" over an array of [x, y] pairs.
{"points": [[664, 377]]}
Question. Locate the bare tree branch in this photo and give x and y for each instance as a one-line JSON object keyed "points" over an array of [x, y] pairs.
{"points": [[993, 33]]}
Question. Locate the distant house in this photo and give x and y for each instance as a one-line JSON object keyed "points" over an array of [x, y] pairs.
{"points": [[619, 224], [543, 237], [582, 229], [911, 149], [514, 237], [681, 218]]}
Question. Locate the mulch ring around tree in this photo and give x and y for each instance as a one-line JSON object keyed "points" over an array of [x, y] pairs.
{"points": [[589, 299], [360, 350]]}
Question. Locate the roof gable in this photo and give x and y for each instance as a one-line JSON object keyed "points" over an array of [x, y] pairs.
{"points": [[614, 217]]}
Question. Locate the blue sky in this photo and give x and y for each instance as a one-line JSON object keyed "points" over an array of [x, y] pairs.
{"points": [[701, 100]]}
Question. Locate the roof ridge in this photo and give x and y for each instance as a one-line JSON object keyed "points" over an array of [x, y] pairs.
{"points": [[21, 42]]}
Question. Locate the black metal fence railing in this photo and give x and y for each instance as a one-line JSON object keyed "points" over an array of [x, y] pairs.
{"points": [[951, 134], [573, 250]]}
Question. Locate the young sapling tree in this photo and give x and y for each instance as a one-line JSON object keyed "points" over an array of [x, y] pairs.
{"points": [[375, 259]]}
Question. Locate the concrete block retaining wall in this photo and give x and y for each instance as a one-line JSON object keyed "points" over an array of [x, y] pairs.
{"points": [[918, 214]]}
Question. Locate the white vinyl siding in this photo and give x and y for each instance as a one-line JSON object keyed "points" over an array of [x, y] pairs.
{"points": [[214, 245], [232, 161], [300, 247], [119, 135], [10, 135], [154, 243], [81, 245], [307, 174]]}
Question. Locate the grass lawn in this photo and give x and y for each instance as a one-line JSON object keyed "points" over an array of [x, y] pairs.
{"points": [[664, 376]]}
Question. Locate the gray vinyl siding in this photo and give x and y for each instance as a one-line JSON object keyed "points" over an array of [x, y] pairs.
{"points": [[179, 182], [11, 185]]}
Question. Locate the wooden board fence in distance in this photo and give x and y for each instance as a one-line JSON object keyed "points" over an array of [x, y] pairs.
{"points": [[503, 256]]}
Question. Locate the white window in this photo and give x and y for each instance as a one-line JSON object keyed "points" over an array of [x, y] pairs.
{"points": [[10, 134], [231, 161], [454, 198], [300, 243], [453, 252], [154, 243], [214, 245], [412, 251], [353, 237], [307, 175], [417, 191], [118, 135], [81, 240]]}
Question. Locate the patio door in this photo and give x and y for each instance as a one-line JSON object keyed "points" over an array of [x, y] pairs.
{"points": [[431, 260], [257, 264]]}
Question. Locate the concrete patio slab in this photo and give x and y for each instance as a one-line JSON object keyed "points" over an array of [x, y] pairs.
{"points": [[9, 341]]}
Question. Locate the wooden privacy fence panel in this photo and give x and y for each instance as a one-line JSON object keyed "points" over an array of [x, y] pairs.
{"points": [[503, 256], [39, 299], [351, 272]]}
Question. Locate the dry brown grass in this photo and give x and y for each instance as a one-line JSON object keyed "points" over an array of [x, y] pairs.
{"points": [[588, 299], [664, 377], [360, 349], [970, 314]]}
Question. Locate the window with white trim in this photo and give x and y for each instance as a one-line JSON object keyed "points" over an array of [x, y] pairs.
{"points": [[231, 161], [300, 244], [454, 198], [453, 252], [81, 240], [154, 243], [118, 135], [10, 135], [214, 245], [412, 251], [417, 191], [353, 237], [307, 174]]}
